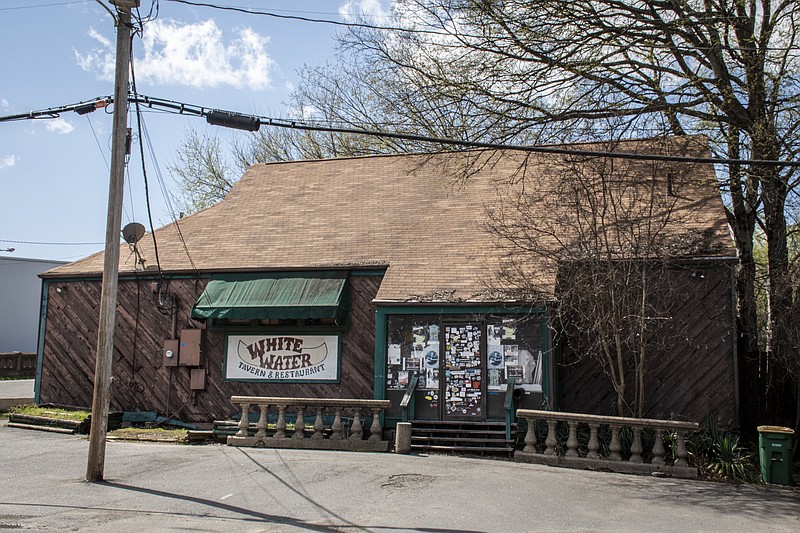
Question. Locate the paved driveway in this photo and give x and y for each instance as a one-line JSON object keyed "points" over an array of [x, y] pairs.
{"points": [[15, 392], [153, 487]]}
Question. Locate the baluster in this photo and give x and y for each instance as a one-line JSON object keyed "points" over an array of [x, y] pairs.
{"points": [[551, 440], [375, 432], [319, 427], [356, 430], [261, 426], [594, 442], [680, 454], [615, 448], [658, 447], [572, 441], [336, 428], [244, 423], [299, 424], [280, 426], [530, 436], [636, 445]]}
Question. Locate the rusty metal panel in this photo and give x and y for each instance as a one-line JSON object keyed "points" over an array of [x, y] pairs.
{"points": [[191, 349], [197, 379]]}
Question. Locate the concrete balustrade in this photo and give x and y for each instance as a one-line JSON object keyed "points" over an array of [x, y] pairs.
{"points": [[333, 438], [590, 457]]}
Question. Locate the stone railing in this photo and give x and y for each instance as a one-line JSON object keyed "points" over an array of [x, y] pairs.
{"points": [[17, 365], [589, 457], [335, 437]]}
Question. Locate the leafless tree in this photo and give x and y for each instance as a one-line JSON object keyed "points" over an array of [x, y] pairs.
{"points": [[607, 232], [558, 71]]}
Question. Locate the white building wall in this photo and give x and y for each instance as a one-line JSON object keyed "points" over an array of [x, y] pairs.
{"points": [[20, 295]]}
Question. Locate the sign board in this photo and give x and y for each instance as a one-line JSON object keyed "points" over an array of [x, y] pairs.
{"points": [[285, 359]]}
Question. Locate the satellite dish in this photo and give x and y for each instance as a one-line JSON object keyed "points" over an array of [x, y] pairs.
{"points": [[133, 232]]}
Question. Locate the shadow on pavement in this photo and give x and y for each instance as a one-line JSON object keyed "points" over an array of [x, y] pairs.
{"points": [[748, 500]]}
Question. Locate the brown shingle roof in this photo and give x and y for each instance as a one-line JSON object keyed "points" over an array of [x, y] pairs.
{"points": [[410, 213]]}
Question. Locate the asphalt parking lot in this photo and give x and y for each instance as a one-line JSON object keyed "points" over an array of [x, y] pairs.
{"points": [[157, 487]]}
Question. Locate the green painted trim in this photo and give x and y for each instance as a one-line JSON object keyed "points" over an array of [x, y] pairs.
{"points": [[458, 309], [368, 272], [380, 354], [293, 381], [37, 384], [546, 359], [277, 329]]}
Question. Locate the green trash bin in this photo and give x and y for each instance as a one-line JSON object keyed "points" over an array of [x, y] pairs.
{"points": [[775, 454]]}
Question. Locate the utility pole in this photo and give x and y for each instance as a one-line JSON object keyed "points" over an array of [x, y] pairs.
{"points": [[108, 296]]}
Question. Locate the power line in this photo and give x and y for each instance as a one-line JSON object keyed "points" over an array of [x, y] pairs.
{"points": [[444, 32], [183, 108], [273, 14], [54, 4], [53, 243], [144, 170]]}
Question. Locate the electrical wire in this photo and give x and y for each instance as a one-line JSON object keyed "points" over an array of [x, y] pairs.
{"points": [[53, 243], [144, 167], [54, 4], [97, 141], [273, 14], [445, 33], [166, 195], [143, 136], [182, 108]]}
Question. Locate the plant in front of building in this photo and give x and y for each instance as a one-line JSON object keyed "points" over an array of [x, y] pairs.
{"points": [[51, 412], [719, 455], [732, 462]]}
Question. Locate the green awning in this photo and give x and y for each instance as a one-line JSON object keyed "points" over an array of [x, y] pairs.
{"points": [[285, 295]]}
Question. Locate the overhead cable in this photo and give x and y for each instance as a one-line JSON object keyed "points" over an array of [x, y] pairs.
{"points": [[296, 124]]}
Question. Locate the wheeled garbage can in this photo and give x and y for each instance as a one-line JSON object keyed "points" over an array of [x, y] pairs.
{"points": [[775, 454]]}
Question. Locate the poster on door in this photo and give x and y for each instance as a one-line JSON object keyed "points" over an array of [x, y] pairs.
{"points": [[463, 370]]}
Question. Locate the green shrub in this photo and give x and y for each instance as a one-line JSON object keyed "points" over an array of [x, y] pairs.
{"points": [[719, 455], [732, 462]]}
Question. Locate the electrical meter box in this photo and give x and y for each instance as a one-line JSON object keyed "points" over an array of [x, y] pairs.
{"points": [[191, 349], [170, 352]]}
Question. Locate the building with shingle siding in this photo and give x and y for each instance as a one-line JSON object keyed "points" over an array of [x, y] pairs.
{"points": [[356, 277]]}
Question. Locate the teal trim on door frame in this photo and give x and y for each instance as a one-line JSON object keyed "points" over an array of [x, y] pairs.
{"points": [[37, 384], [381, 334]]}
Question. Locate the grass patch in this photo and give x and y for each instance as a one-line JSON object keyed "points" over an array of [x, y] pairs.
{"points": [[157, 434], [78, 415]]}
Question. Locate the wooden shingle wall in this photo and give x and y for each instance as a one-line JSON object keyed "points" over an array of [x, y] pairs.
{"points": [[141, 382], [692, 377]]}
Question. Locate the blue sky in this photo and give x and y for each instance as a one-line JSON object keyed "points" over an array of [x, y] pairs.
{"points": [[54, 173]]}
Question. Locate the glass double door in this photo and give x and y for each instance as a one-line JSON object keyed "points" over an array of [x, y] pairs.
{"points": [[459, 368]]}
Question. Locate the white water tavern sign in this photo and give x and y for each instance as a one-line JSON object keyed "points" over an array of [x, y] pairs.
{"points": [[282, 358]]}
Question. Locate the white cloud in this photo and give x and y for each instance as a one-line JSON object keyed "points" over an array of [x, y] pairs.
{"points": [[8, 161], [99, 60], [4, 104], [196, 55], [60, 126], [372, 10]]}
